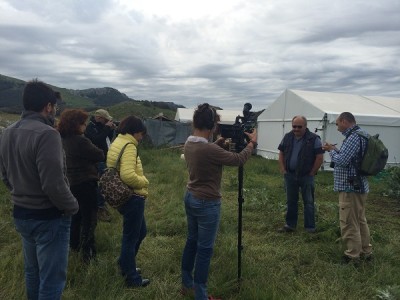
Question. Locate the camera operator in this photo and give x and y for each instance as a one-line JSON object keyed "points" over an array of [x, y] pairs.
{"points": [[101, 131], [353, 190], [203, 197]]}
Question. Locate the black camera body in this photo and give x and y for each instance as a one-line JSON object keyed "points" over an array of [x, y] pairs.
{"points": [[236, 132], [355, 181], [116, 123]]}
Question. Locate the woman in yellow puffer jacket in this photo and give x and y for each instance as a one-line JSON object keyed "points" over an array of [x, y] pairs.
{"points": [[131, 131]]}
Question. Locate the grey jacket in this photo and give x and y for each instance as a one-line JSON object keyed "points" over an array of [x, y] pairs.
{"points": [[32, 165]]}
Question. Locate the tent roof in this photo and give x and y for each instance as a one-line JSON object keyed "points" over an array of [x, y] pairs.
{"points": [[367, 109], [226, 116]]}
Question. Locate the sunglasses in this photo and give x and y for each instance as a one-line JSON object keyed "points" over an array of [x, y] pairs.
{"points": [[297, 126]]}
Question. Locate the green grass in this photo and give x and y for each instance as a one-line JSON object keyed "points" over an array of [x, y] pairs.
{"points": [[7, 119], [139, 109], [274, 266]]}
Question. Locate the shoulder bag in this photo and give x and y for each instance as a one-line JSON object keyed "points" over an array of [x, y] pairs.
{"points": [[113, 189]]}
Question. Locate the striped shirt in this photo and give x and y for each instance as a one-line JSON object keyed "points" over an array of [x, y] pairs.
{"points": [[344, 174]]}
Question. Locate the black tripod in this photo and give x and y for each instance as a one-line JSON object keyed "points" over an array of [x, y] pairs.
{"points": [[240, 201]]}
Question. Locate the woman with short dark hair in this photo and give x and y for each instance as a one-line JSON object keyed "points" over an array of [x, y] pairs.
{"points": [[82, 157], [131, 131]]}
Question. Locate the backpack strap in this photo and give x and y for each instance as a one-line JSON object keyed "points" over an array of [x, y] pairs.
{"points": [[360, 135]]}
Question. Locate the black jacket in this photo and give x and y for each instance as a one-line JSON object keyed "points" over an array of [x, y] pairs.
{"points": [[98, 133], [82, 157]]}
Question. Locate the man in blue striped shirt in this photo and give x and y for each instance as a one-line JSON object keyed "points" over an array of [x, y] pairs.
{"points": [[353, 189]]}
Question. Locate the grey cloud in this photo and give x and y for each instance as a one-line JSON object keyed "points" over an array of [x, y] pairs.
{"points": [[246, 55], [87, 11]]}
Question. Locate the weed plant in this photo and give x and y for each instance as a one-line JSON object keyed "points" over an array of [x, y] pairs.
{"points": [[295, 265]]}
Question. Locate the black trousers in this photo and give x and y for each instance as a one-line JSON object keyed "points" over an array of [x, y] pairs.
{"points": [[84, 223]]}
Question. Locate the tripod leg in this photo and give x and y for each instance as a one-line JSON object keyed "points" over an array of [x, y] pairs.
{"points": [[240, 207]]}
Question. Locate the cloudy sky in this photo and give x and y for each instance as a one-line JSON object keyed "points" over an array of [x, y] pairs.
{"points": [[225, 52]]}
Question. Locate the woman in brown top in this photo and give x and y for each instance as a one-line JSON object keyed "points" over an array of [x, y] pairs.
{"points": [[82, 157], [203, 196]]}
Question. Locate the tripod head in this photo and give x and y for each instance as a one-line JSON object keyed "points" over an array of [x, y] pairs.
{"points": [[236, 132]]}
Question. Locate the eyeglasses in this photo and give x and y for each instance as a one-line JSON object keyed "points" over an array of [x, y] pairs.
{"points": [[297, 126]]}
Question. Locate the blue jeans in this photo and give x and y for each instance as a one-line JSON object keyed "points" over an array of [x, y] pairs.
{"points": [[101, 167], [45, 246], [134, 231], [202, 219], [292, 185]]}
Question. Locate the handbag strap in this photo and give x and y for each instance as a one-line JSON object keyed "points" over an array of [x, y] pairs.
{"points": [[120, 155]]}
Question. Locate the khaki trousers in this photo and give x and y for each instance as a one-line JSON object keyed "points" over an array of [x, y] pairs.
{"points": [[353, 224]]}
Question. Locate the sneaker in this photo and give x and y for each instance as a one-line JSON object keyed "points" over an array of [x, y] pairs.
{"points": [[145, 282], [311, 230], [103, 214], [286, 228]]}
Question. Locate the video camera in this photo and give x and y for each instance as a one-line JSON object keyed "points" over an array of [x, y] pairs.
{"points": [[236, 132]]}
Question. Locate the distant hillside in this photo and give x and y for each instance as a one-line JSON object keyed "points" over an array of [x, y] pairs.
{"points": [[89, 99], [10, 93], [101, 96]]}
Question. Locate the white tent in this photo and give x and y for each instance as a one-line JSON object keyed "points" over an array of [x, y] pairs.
{"points": [[185, 115], [373, 113]]}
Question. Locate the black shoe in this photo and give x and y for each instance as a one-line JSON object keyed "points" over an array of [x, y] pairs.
{"points": [[286, 228], [367, 257], [145, 282], [346, 260]]}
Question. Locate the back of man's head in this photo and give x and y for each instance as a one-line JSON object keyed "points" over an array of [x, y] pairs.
{"points": [[37, 95], [347, 116]]}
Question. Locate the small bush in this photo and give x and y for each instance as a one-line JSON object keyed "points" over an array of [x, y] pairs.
{"points": [[393, 182]]}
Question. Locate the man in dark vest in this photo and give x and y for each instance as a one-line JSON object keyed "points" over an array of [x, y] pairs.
{"points": [[300, 156]]}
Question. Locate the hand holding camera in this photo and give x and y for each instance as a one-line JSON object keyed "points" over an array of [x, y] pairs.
{"points": [[111, 124], [252, 135]]}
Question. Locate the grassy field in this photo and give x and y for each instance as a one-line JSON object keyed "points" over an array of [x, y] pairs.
{"points": [[118, 111], [7, 119], [274, 265]]}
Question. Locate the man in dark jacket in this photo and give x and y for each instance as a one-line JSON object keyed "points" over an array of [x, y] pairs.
{"points": [[101, 131], [300, 156], [32, 165]]}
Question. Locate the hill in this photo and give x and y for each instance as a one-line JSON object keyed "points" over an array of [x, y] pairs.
{"points": [[89, 99]]}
